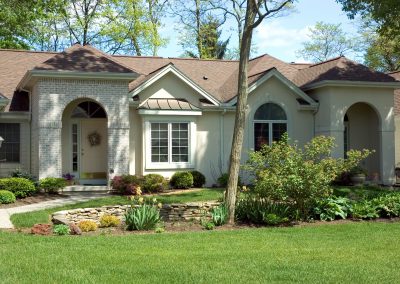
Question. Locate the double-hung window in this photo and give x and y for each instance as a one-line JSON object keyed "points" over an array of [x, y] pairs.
{"points": [[270, 123], [170, 144], [10, 148]]}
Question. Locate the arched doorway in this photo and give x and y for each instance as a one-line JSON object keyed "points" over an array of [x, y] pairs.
{"points": [[362, 131], [84, 142]]}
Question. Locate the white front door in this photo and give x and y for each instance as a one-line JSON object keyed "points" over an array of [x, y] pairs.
{"points": [[89, 150]]}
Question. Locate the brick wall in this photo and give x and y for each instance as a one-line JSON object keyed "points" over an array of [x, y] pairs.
{"points": [[48, 103]]}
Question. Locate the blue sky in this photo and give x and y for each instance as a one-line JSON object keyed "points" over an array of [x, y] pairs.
{"points": [[280, 37]]}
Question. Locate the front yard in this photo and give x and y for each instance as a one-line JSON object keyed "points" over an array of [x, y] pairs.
{"points": [[364, 252]]}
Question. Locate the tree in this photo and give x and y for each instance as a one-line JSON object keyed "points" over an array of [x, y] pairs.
{"points": [[256, 12], [385, 12], [326, 41], [200, 23]]}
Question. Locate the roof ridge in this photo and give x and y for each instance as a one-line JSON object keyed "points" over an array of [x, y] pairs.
{"points": [[329, 60], [202, 59], [31, 51], [137, 56]]}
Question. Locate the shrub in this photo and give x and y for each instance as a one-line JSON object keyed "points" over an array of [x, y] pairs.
{"points": [[127, 184], [154, 183], [223, 180], [330, 208], [6, 197], [198, 179], [219, 215], [142, 215], [87, 225], [21, 187], [109, 221], [52, 185], [283, 171], [19, 173], [209, 226], [182, 180], [256, 210], [61, 230], [387, 205], [364, 210]]}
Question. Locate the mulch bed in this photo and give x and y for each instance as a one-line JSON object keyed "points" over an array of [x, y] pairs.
{"points": [[36, 198]]}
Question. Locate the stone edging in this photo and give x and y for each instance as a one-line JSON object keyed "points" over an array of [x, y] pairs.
{"points": [[168, 212]]}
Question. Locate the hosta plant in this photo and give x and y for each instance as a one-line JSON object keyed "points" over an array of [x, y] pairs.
{"points": [[61, 230], [328, 209], [143, 214]]}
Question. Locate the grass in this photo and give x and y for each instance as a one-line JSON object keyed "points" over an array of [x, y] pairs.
{"points": [[24, 220], [365, 252]]}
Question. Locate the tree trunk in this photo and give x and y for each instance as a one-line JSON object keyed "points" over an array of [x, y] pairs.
{"points": [[241, 105]]}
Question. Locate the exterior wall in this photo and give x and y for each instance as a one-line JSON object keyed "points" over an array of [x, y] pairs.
{"points": [[25, 162], [215, 128], [52, 96], [334, 103], [397, 140]]}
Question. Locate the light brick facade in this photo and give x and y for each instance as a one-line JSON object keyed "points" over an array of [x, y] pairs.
{"points": [[49, 100]]}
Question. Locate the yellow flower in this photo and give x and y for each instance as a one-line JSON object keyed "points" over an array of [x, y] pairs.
{"points": [[138, 191], [132, 197], [140, 200], [159, 205], [154, 200]]}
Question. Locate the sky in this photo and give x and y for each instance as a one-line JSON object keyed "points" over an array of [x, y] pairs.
{"points": [[280, 37]]}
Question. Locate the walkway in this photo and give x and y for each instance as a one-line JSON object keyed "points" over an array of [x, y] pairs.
{"points": [[73, 197]]}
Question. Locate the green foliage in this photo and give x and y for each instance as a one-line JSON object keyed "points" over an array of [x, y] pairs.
{"points": [[387, 205], [364, 210], [61, 230], [326, 41], [127, 184], [358, 171], [251, 208], [182, 180], [330, 208], [52, 185], [219, 215], [198, 179], [87, 225], [109, 221], [223, 180], [143, 214], [284, 172], [21, 187], [19, 173], [209, 226], [7, 197], [159, 230], [154, 183]]}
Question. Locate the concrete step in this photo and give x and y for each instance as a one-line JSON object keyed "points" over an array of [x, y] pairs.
{"points": [[74, 188]]}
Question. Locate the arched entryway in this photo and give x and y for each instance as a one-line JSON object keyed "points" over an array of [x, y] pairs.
{"points": [[362, 131], [84, 142]]}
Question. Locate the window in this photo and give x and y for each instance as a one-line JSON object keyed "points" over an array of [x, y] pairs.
{"points": [[89, 110], [10, 148], [170, 144], [270, 123]]}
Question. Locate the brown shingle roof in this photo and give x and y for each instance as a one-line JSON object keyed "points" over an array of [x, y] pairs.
{"points": [[217, 77], [83, 59]]}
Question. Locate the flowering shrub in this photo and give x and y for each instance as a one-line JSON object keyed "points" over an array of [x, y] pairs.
{"points": [[143, 214], [127, 184], [68, 177], [283, 172]]}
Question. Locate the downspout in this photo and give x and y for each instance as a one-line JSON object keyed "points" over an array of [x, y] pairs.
{"points": [[221, 133]]}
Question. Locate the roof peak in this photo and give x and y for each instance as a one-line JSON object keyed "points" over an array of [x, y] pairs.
{"points": [[329, 60]]}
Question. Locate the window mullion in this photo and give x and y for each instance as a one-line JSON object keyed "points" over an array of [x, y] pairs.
{"points": [[169, 143]]}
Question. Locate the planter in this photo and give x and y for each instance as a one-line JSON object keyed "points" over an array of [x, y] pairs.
{"points": [[358, 179]]}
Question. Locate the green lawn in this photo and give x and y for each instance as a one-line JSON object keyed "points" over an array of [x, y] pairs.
{"points": [[365, 252], [29, 219]]}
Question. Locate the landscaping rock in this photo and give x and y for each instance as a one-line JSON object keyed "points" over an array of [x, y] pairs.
{"points": [[42, 229], [74, 229]]}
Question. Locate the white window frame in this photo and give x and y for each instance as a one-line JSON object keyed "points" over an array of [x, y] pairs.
{"points": [[270, 122], [169, 165]]}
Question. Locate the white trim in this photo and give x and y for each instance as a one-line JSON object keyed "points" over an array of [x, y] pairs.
{"points": [[32, 74], [172, 69], [275, 73], [342, 83], [169, 112], [20, 116], [149, 165]]}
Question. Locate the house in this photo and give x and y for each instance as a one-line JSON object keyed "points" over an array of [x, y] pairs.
{"points": [[95, 115]]}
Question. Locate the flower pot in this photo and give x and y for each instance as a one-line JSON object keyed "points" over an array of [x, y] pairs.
{"points": [[358, 179]]}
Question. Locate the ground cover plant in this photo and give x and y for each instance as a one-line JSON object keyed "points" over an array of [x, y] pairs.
{"points": [[27, 220], [362, 252]]}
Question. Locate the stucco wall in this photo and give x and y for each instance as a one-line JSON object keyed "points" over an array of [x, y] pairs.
{"points": [[334, 103]]}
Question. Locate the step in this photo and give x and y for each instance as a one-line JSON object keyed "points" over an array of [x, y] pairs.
{"points": [[86, 188]]}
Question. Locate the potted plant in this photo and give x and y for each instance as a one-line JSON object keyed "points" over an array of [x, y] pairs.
{"points": [[358, 175], [69, 178]]}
